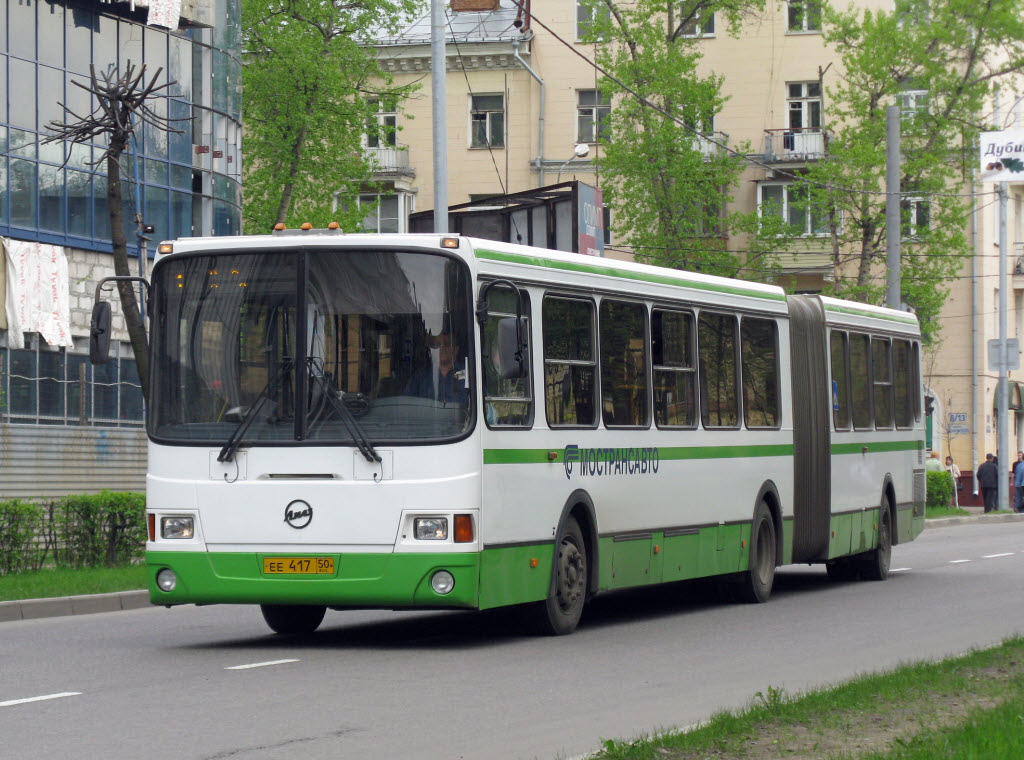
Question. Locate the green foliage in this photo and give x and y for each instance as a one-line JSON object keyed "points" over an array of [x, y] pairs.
{"points": [[307, 99], [20, 525], [940, 489], [107, 528], [950, 53], [62, 581], [667, 175]]}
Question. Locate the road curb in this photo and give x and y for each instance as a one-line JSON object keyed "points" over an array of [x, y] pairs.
{"points": [[87, 604], [31, 609]]}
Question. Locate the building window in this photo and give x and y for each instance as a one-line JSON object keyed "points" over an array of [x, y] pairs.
{"points": [[592, 111], [791, 202], [50, 386], [586, 15], [487, 121], [804, 104], [701, 25], [383, 213], [804, 15], [382, 128], [914, 217]]}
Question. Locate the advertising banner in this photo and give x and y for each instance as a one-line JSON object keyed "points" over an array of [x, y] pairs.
{"points": [[1002, 156]]}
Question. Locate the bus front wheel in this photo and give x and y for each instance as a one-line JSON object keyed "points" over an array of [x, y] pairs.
{"points": [[560, 613], [293, 619], [756, 583]]}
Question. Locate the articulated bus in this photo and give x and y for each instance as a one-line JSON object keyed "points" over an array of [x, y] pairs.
{"points": [[423, 421]]}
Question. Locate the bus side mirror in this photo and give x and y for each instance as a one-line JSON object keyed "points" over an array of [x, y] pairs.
{"points": [[509, 356], [99, 333]]}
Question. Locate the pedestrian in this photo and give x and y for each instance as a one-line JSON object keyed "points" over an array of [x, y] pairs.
{"points": [[988, 481], [933, 464], [954, 473], [1018, 483]]}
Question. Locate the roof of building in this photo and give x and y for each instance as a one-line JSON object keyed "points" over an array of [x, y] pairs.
{"points": [[462, 27]]}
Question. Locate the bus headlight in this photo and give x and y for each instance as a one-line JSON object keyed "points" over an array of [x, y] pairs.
{"points": [[442, 582], [430, 528], [177, 527], [166, 579]]}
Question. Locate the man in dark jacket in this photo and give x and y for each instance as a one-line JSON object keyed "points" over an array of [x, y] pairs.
{"points": [[988, 482]]}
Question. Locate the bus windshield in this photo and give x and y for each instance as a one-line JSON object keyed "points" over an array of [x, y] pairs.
{"points": [[319, 346]]}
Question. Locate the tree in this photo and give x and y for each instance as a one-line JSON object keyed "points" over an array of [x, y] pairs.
{"points": [[311, 85], [669, 176], [121, 103], [939, 60]]}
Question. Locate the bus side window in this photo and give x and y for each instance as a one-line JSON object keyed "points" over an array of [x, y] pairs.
{"points": [[508, 402], [860, 381], [840, 381], [570, 362], [624, 391], [759, 344], [717, 341], [881, 377], [902, 383], [675, 376]]}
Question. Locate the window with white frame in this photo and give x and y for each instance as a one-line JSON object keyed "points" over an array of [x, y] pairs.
{"points": [[487, 121], [804, 105], [804, 15], [701, 25], [915, 215], [43, 385], [384, 213], [913, 103], [790, 201], [592, 111], [586, 15], [382, 128]]}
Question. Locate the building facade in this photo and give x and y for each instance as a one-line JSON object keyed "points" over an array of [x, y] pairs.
{"points": [[66, 426], [522, 94]]}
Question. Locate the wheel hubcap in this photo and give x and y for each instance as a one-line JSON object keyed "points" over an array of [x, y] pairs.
{"points": [[572, 574]]}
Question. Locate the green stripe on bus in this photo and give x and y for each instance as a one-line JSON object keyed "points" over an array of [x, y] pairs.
{"points": [[541, 456], [874, 447], [658, 279], [871, 314]]}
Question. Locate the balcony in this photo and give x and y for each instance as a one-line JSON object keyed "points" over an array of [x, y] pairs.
{"points": [[390, 160], [794, 145], [711, 143]]}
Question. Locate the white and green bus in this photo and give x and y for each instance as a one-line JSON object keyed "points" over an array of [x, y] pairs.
{"points": [[423, 421]]}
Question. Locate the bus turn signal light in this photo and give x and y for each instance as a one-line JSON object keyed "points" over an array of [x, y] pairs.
{"points": [[463, 529], [151, 519]]}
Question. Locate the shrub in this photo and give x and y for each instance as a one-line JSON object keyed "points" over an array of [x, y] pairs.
{"points": [[106, 528], [21, 524], [940, 489]]}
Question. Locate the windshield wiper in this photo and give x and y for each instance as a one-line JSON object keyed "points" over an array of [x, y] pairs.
{"points": [[227, 453], [347, 418]]}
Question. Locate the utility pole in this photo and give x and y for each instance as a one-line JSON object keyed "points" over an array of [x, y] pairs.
{"points": [[439, 104], [1003, 444], [893, 227]]}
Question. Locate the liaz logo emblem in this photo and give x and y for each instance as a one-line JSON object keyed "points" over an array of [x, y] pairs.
{"points": [[298, 514]]}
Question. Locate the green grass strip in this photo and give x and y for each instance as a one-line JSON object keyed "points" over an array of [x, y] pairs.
{"points": [[53, 582]]}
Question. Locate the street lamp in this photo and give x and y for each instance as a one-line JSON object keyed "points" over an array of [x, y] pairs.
{"points": [[582, 150]]}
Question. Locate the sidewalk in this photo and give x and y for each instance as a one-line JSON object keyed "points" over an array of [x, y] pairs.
{"points": [[29, 609]]}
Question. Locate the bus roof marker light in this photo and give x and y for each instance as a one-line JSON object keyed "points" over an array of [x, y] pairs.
{"points": [[307, 226], [165, 248], [279, 227], [333, 226], [449, 242]]}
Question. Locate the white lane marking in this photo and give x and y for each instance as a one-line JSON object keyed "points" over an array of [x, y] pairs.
{"points": [[259, 664], [900, 569], [958, 561], [12, 702], [993, 556]]}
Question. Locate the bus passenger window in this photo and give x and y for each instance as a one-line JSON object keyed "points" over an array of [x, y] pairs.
{"points": [[508, 402], [675, 378], [570, 362], [760, 373], [860, 381], [881, 375], [624, 364], [903, 388], [719, 391], [840, 382]]}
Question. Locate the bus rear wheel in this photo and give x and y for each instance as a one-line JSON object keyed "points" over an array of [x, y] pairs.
{"points": [[560, 613], [756, 583], [875, 565], [293, 619]]}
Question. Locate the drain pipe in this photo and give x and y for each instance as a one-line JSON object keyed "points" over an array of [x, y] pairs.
{"points": [[540, 117], [975, 300]]}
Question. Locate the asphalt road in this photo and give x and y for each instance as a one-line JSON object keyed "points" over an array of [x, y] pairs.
{"points": [[212, 682]]}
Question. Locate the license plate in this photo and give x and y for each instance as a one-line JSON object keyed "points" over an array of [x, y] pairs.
{"points": [[298, 565]]}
